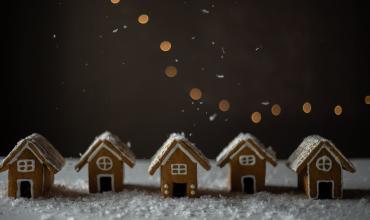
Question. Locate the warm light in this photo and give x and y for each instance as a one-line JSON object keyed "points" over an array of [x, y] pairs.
{"points": [[256, 117], [170, 71], [165, 46], [307, 107], [224, 105], [276, 110], [195, 93], [115, 1], [367, 100], [338, 110], [143, 19]]}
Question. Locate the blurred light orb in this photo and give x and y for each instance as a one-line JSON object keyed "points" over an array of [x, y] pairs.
{"points": [[195, 94], [115, 1], [143, 19], [165, 46], [307, 107], [256, 117], [276, 110], [338, 110], [367, 100], [170, 71], [224, 105]]}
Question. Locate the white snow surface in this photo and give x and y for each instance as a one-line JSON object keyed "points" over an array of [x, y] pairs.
{"points": [[141, 198]]}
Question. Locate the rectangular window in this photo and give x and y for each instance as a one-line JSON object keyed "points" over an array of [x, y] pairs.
{"points": [[179, 169], [25, 166], [247, 160]]}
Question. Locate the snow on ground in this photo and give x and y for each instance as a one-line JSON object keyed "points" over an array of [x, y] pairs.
{"points": [[141, 198]]}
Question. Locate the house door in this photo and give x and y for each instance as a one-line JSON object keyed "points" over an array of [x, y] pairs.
{"points": [[324, 190], [105, 183], [179, 189], [248, 185], [25, 189]]}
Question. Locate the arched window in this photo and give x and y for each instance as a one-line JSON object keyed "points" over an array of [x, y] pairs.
{"points": [[104, 163], [247, 160], [323, 163]]}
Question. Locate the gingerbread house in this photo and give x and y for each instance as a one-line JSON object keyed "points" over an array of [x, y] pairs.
{"points": [[319, 165], [247, 158], [178, 159], [106, 157], [31, 167]]}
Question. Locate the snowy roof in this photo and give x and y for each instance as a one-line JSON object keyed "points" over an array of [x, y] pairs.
{"points": [[112, 141], [42, 149], [170, 143], [299, 158], [238, 142]]}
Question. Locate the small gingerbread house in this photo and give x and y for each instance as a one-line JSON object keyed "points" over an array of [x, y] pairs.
{"points": [[31, 167], [247, 158], [178, 159], [319, 166], [106, 157]]}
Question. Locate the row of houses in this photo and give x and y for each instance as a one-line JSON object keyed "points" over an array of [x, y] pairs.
{"points": [[33, 162]]}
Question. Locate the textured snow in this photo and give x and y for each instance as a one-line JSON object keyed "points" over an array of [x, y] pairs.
{"points": [[142, 200]]}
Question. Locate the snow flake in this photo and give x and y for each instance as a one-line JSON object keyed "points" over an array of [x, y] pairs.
{"points": [[193, 37], [115, 30], [212, 117], [265, 103], [220, 76], [125, 26], [205, 11]]}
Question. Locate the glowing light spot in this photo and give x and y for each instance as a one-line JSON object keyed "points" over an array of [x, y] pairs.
{"points": [[338, 110], [367, 100], [195, 94], [307, 107], [224, 105], [165, 46], [143, 19], [115, 1], [170, 71], [276, 110], [256, 117]]}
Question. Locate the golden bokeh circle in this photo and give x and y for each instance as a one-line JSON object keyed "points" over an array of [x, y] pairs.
{"points": [[170, 71], [276, 110], [367, 100], [256, 117], [195, 94], [224, 105], [307, 107], [143, 19], [165, 46], [115, 1], [338, 110]]}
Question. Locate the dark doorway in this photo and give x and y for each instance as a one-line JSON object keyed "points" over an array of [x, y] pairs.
{"points": [[248, 185], [325, 190], [25, 189], [179, 189], [105, 183]]}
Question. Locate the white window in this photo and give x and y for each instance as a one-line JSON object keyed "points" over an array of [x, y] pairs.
{"points": [[247, 160], [179, 169], [323, 163], [104, 163], [25, 166]]}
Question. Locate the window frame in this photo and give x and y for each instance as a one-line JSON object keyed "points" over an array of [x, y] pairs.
{"points": [[179, 169], [101, 163], [27, 166], [247, 160], [322, 163]]}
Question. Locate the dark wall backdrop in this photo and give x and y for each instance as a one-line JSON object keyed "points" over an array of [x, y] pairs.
{"points": [[68, 76]]}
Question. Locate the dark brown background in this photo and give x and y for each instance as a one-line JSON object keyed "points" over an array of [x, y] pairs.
{"points": [[74, 86]]}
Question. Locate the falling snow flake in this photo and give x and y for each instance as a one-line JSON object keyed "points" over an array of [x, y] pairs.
{"points": [[212, 117], [115, 30], [220, 76], [193, 37], [205, 11], [265, 103]]}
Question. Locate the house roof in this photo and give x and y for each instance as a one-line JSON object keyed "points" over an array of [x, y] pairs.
{"points": [[165, 151], [42, 149], [239, 142], [309, 146], [120, 149]]}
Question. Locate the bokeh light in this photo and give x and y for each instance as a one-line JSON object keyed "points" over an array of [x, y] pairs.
{"points": [[115, 1], [143, 19], [338, 110], [165, 46], [170, 71], [276, 110], [224, 105], [256, 117], [307, 107], [195, 94], [367, 100]]}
